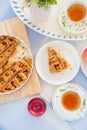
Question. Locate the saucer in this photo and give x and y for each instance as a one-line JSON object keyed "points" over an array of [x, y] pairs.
{"points": [[68, 25], [67, 114]]}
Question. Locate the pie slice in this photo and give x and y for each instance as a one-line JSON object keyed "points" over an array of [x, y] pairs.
{"points": [[56, 62]]}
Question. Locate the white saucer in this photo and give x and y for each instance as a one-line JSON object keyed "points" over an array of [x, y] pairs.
{"points": [[69, 26], [61, 111], [70, 54]]}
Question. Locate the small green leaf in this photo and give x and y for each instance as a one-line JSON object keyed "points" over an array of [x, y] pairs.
{"points": [[64, 24], [62, 90], [84, 102], [70, 86], [57, 96]]}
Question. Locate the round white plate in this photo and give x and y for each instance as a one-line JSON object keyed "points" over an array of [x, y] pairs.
{"points": [[61, 111], [68, 52], [50, 27], [67, 25]]}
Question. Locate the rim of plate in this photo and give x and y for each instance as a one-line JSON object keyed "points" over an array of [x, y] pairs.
{"points": [[38, 66], [81, 111], [29, 51], [69, 26], [22, 17]]}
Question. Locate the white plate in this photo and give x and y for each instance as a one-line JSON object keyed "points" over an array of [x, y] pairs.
{"points": [[50, 27], [61, 111], [69, 53], [67, 25]]}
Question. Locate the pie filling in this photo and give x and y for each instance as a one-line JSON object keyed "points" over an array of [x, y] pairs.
{"points": [[56, 62], [12, 74]]}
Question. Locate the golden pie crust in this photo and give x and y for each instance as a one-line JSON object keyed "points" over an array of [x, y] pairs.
{"points": [[56, 62], [12, 74]]}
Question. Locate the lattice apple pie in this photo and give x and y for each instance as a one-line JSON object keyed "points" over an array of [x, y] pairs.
{"points": [[56, 62], [15, 63]]}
